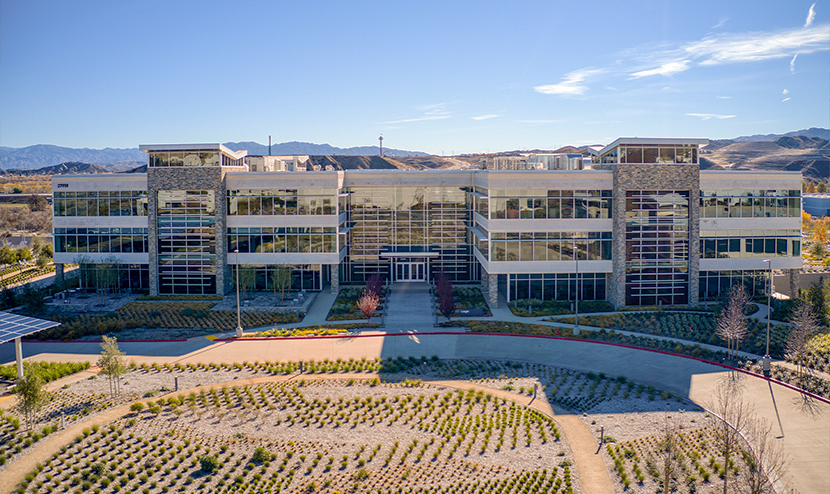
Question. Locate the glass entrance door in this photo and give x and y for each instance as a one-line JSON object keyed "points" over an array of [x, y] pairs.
{"points": [[410, 271]]}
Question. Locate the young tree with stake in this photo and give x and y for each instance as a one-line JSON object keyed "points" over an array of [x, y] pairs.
{"points": [[112, 363]]}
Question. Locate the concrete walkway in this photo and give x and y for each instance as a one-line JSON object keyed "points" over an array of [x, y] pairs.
{"points": [[409, 308]]}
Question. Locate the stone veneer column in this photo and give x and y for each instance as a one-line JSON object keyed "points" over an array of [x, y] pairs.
{"points": [[493, 289], [191, 178], [485, 281], [656, 177], [335, 278], [795, 279], [59, 278]]}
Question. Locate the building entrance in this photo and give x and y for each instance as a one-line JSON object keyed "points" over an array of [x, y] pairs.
{"points": [[415, 271]]}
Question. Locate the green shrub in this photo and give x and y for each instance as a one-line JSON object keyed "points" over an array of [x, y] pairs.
{"points": [[209, 463]]}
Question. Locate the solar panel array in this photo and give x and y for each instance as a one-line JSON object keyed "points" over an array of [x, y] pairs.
{"points": [[14, 326]]}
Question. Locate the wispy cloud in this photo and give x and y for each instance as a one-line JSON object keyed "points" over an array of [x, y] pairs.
{"points": [[723, 97], [792, 63], [786, 91], [785, 99], [756, 46], [484, 117], [707, 116], [666, 69], [539, 121], [720, 23], [571, 84], [436, 111], [811, 15], [418, 119]]}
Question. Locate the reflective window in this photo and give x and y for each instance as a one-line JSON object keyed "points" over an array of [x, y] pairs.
{"points": [[98, 203]]}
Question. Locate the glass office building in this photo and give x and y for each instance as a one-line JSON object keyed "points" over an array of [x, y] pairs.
{"points": [[643, 225]]}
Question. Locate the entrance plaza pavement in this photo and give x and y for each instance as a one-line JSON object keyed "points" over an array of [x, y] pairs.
{"points": [[804, 426]]}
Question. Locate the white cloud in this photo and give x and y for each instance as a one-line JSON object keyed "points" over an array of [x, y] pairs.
{"points": [[434, 109], [571, 83], [419, 119], [721, 22], [707, 116], [484, 117], [723, 97], [757, 46], [666, 69], [792, 63], [785, 99], [786, 91], [539, 121], [811, 15]]}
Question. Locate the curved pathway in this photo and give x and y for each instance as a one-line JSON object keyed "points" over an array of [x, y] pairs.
{"points": [[590, 468]]}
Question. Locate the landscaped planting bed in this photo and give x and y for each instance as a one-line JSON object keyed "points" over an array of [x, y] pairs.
{"points": [[49, 371], [469, 298], [173, 315], [318, 436], [26, 275], [690, 326], [345, 307]]}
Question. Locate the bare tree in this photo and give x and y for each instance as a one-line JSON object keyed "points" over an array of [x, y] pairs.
{"points": [[367, 304], [732, 321], [247, 279], [730, 415], [764, 459], [280, 280], [670, 450], [446, 302], [805, 323], [112, 363]]}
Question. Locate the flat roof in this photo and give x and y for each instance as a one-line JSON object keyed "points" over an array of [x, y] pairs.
{"points": [[656, 141], [15, 326], [148, 148]]}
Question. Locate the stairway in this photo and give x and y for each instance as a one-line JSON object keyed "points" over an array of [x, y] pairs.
{"points": [[409, 307]]}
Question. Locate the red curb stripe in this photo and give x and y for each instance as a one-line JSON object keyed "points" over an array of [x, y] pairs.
{"points": [[101, 341]]}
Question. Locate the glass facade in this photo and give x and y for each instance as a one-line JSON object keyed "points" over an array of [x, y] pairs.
{"points": [[205, 157], [549, 204], [657, 247], [550, 246], [133, 277], [558, 286], [408, 219], [646, 154], [116, 240], [745, 203], [714, 285], [730, 244], [100, 203], [187, 242], [308, 277], [267, 202], [279, 240]]}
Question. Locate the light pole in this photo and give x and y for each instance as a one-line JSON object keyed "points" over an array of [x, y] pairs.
{"points": [[767, 360], [238, 316], [576, 302]]}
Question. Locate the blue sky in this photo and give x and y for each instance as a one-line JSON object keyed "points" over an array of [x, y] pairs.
{"points": [[434, 76]]}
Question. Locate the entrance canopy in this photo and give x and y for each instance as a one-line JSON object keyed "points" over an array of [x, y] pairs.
{"points": [[14, 327]]}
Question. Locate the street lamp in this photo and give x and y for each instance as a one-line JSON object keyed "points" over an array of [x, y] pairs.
{"points": [[767, 360], [576, 302], [238, 316]]}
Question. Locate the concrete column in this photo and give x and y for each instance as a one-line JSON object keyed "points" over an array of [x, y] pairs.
{"points": [[493, 289], [59, 278], [795, 278], [18, 351], [485, 281], [335, 278]]}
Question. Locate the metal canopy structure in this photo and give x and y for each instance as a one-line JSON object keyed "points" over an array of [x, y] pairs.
{"points": [[14, 327]]}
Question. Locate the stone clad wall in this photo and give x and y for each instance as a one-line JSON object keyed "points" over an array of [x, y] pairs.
{"points": [[657, 177], [190, 178]]}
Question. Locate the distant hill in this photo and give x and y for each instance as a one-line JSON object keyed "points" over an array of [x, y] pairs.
{"points": [[307, 148], [809, 155], [44, 155], [69, 168], [811, 132]]}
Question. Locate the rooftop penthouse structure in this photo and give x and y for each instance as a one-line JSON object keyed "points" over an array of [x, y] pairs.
{"points": [[641, 226]]}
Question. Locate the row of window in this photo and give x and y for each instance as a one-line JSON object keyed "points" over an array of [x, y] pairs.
{"points": [[562, 208], [550, 250], [288, 243], [192, 158], [282, 205], [101, 207], [557, 286], [750, 207], [731, 248], [650, 154], [101, 243]]}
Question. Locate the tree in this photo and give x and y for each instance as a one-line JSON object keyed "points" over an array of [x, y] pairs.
{"points": [[7, 256], [367, 304], [31, 394], [765, 461], [729, 415], [805, 323], [446, 302], [37, 203], [821, 188], [33, 300], [811, 187], [375, 284], [23, 254], [820, 233], [281, 280], [247, 279], [731, 325], [46, 250], [112, 363]]}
